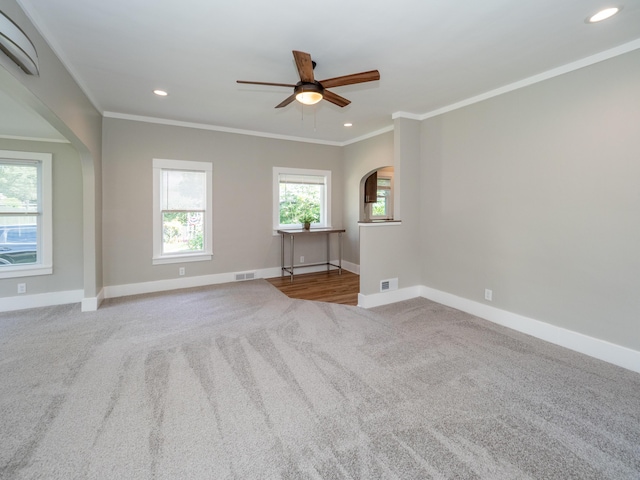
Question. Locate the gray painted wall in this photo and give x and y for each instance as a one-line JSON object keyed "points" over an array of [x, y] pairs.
{"points": [[393, 251], [360, 159], [67, 221], [242, 197], [535, 194]]}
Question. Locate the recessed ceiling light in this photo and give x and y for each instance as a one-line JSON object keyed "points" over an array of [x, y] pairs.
{"points": [[348, 124], [160, 93], [603, 14]]}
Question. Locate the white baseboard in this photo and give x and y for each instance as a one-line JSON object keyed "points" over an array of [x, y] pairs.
{"points": [[351, 267], [302, 268], [393, 296], [114, 291], [91, 304], [37, 300], [601, 349], [594, 347]]}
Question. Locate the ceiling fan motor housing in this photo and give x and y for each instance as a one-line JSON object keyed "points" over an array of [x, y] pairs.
{"points": [[309, 87]]}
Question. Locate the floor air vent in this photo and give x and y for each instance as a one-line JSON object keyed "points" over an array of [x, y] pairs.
{"points": [[245, 276]]}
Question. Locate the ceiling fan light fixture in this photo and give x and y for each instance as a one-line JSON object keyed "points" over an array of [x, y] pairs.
{"points": [[309, 98], [309, 93]]}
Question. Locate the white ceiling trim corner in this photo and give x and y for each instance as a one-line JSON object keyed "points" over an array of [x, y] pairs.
{"points": [[390, 128], [408, 115]]}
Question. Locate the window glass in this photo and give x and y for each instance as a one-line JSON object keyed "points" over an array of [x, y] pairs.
{"points": [[382, 208], [182, 232], [182, 200], [300, 198], [25, 214], [301, 195]]}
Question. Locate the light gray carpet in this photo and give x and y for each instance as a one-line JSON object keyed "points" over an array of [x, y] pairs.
{"points": [[237, 381]]}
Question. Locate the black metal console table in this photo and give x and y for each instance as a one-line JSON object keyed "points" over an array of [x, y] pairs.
{"points": [[303, 233]]}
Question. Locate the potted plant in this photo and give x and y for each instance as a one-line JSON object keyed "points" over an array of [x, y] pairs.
{"points": [[307, 219]]}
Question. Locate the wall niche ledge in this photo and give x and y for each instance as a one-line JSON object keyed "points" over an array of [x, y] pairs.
{"points": [[379, 223]]}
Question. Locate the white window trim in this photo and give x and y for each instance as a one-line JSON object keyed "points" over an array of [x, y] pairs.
{"points": [[45, 239], [158, 258], [277, 171]]}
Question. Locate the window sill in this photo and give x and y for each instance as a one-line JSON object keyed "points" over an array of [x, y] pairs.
{"points": [[25, 271], [379, 223], [168, 259]]}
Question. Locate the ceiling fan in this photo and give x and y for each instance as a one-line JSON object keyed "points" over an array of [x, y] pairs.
{"points": [[310, 91]]}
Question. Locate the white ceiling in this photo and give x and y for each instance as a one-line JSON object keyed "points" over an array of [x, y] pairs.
{"points": [[430, 54]]}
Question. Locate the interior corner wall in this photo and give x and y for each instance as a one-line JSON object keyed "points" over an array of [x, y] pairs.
{"points": [[359, 159], [243, 237], [535, 195]]}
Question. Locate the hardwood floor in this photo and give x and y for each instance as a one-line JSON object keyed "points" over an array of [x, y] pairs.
{"points": [[322, 286]]}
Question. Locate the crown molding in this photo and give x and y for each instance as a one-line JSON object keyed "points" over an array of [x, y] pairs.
{"points": [[215, 128], [367, 136], [408, 115], [555, 72], [34, 139]]}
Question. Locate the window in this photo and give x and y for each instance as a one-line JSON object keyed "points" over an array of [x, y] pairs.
{"points": [[300, 193], [25, 214], [383, 207], [182, 205]]}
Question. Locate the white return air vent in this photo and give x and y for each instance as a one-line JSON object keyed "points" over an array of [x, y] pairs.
{"points": [[245, 276], [388, 285]]}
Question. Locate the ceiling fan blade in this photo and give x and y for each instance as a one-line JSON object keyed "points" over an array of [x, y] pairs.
{"points": [[266, 83], [286, 101], [335, 99], [362, 77], [305, 66]]}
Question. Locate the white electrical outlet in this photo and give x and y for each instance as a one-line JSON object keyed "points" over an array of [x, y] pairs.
{"points": [[488, 294], [22, 288], [181, 271], [301, 258]]}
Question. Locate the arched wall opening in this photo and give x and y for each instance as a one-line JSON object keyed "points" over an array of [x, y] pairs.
{"points": [[87, 278], [376, 195]]}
